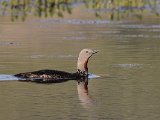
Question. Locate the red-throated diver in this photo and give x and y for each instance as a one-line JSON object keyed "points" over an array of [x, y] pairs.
{"points": [[55, 76]]}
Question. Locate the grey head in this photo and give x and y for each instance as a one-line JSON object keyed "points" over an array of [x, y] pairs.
{"points": [[83, 58]]}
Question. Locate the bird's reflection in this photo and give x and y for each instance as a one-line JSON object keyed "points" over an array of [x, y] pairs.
{"points": [[83, 94]]}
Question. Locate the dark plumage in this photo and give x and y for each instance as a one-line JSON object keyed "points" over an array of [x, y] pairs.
{"points": [[48, 76], [55, 76]]}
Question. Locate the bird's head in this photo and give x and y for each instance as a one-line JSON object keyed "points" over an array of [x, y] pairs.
{"points": [[83, 58]]}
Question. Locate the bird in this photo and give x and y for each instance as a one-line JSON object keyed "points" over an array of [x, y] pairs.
{"points": [[57, 76]]}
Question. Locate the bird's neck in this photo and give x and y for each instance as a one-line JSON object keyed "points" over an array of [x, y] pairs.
{"points": [[82, 65], [82, 70]]}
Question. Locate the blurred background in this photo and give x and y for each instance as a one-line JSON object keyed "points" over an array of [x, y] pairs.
{"points": [[49, 34]]}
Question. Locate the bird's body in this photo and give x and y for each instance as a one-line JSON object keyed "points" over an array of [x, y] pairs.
{"points": [[55, 76], [49, 76]]}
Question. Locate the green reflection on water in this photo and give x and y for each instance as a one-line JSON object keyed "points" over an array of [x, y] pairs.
{"points": [[114, 9]]}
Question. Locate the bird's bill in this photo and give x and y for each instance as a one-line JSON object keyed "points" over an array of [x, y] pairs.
{"points": [[95, 51]]}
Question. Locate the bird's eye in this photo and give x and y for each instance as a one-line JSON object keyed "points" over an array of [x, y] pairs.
{"points": [[86, 51]]}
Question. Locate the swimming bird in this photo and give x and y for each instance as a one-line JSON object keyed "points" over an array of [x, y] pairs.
{"points": [[56, 76]]}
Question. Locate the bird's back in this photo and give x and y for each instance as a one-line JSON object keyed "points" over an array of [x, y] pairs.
{"points": [[47, 76]]}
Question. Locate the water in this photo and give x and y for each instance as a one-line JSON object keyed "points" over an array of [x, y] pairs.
{"points": [[4, 77], [128, 66]]}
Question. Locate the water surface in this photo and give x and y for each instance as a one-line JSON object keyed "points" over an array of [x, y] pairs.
{"points": [[128, 63]]}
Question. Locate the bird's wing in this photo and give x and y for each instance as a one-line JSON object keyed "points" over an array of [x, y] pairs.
{"points": [[45, 76]]}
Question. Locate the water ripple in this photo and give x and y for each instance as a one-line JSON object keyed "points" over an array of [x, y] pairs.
{"points": [[128, 65], [77, 21], [4, 43], [140, 26], [5, 77]]}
